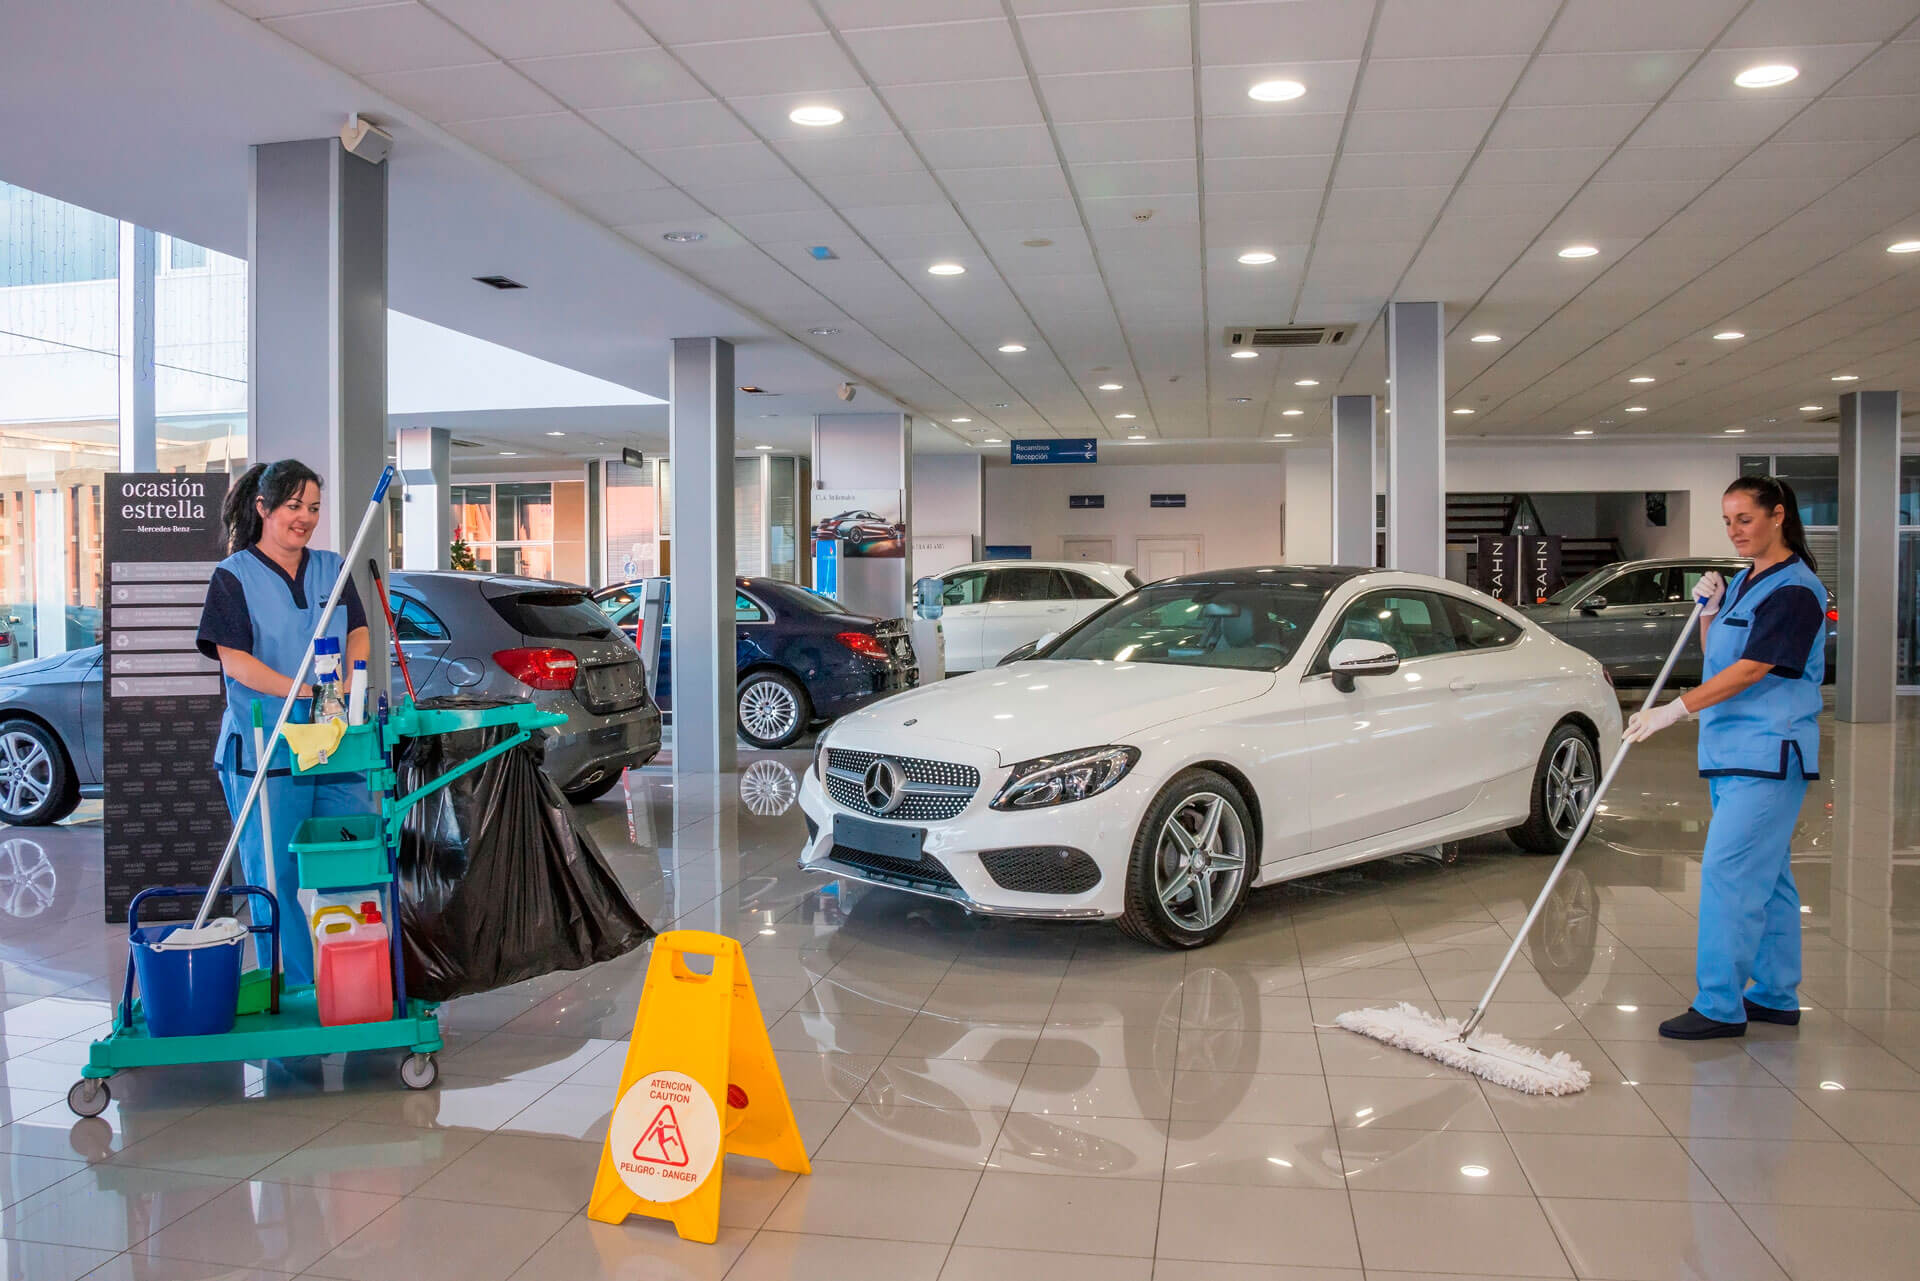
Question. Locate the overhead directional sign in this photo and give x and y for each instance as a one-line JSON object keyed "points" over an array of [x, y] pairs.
{"points": [[1056, 451]]}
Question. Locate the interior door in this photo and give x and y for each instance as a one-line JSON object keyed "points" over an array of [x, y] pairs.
{"points": [[1160, 558], [1094, 549], [963, 600], [1024, 603], [1390, 754]]}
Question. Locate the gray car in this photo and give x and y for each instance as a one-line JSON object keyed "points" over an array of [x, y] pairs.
{"points": [[497, 636], [1629, 614], [49, 736]]}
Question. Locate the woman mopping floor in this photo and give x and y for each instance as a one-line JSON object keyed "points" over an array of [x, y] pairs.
{"points": [[1759, 710]]}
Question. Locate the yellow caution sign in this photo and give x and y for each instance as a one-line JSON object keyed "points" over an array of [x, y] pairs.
{"points": [[700, 1081]]}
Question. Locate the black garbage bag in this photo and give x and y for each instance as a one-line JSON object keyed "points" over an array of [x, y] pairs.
{"points": [[497, 883]]}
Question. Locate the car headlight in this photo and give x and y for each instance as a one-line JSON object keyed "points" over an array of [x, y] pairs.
{"points": [[1070, 776]]}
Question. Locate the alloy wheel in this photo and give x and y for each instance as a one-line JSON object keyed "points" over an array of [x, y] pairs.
{"points": [[1199, 862], [1571, 778], [26, 772], [769, 710]]}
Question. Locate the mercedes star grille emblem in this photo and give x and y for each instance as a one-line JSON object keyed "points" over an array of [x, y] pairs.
{"points": [[883, 787]]}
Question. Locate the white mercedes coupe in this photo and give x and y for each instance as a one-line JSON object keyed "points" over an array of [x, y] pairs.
{"points": [[1210, 733]]}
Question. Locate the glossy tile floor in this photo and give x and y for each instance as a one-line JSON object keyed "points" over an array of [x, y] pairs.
{"points": [[1012, 1101]]}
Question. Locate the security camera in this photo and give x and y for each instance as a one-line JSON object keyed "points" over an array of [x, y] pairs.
{"points": [[845, 391], [366, 140]]}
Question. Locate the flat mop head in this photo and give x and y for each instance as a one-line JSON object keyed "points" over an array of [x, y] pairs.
{"points": [[1485, 1054]]}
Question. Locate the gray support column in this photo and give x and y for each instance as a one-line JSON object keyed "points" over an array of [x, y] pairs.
{"points": [[700, 443], [1417, 438], [867, 452], [317, 324], [138, 447], [1869, 554], [1353, 450], [425, 458]]}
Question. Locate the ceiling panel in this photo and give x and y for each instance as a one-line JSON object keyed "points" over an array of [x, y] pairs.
{"points": [[1109, 40], [676, 22], [937, 52], [1458, 129], [391, 37], [625, 79], [513, 29], [782, 64], [1283, 30]]}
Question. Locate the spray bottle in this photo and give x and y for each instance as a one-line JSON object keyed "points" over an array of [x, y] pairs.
{"points": [[329, 699]]}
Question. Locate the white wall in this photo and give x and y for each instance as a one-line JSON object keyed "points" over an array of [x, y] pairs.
{"points": [[947, 496], [1309, 532], [1235, 509]]}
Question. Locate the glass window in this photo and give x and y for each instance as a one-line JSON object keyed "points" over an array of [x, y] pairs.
{"points": [[183, 255], [1477, 627], [1910, 490], [1198, 625], [1021, 586], [1081, 587], [620, 607], [631, 551], [969, 588], [413, 621], [1642, 587], [1415, 624], [746, 611], [553, 615], [1816, 483]]}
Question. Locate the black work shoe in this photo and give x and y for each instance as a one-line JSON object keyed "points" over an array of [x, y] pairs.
{"points": [[1695, 1026], [1767, 1014]]}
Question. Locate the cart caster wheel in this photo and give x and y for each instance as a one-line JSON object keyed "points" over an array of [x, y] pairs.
{"points": [[89, 1096], [419, 1071]]}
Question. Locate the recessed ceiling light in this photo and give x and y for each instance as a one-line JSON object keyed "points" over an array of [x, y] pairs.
{"points": [[1904, 247], [1832, 1085], [1246, 355], [1463, 411], [1736, 431], [683, 237], [991, 440], [1291, 413], [1256, 258], [1306, 382], [769, 415], [1766, 76], [961, 420], [1578, 251], [1136, 436], [1283, 435], [556, 433], [824, 331], [1583, 431], [1643, 378], [1485, 338], [1277, 91], [1475, 1171], [1126, 415], [1109, 386], [1013, 348], [946, 269], [509, 453], [1636, 409], [763, 446], [1243, 400], [1038, 242], [1728, 335], [1845, 378], [816, 117], [1811, 409]]}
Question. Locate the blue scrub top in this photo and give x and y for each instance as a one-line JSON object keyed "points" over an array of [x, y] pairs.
{"points": [[1777, 617]]}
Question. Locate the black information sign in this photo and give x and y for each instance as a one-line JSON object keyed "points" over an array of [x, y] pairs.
{"points": [[1497, 569], [166, 819], [1542, 574], [1077, 502], [1166, 500]]}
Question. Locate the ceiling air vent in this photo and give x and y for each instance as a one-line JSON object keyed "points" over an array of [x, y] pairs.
{"points": [[1286, 335], [499, 282], [466, 444]]}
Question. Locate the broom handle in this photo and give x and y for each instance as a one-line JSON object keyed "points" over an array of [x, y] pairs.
{"points": [[293, 695], [1580, 830]]}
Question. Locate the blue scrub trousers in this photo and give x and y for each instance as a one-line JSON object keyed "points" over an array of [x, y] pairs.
{"points": [[1749, 907], [290, 802]]}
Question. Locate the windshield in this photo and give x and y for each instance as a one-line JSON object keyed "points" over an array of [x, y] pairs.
{"points": [[1199, 624], [1577, 588], [560, 614]]}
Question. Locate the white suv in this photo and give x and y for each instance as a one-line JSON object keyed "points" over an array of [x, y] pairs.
{"points": [[993, 607]]}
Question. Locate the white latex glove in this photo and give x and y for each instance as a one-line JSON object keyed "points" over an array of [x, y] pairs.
{"points": [[1650, 721], [1709, 591]]}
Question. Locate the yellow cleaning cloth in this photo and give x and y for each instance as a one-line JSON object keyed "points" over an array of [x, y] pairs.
{"points": [[311, 744]]}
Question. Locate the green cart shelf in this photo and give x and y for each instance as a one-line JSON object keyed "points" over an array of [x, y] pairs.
{"points": [[353, 852]]}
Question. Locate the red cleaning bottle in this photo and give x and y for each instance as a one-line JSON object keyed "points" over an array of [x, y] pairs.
{"points": [[355, 970]]}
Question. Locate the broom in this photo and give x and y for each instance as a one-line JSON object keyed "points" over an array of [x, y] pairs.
{"points": [[1461, 1044]]}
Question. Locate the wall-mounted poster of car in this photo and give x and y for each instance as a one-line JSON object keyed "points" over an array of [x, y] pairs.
{"points": [[866, 523]]}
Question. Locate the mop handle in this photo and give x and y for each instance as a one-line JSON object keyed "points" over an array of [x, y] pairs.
{"points": [[393, 629], [1580, 831], [266, 811], [293, 695]]}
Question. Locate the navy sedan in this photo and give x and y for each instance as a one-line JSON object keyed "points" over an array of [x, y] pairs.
{"points": [[800, 657]]}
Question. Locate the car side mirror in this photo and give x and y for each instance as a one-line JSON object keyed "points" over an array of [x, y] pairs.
{"points": [[926, 598], [1593, 604], [1043, 642], [1351, 658]]}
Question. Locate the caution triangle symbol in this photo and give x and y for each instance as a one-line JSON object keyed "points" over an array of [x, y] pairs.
{"points": [[662, 1144]]}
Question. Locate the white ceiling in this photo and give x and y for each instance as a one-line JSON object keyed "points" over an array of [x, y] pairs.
{"points": [[1444, 149]]}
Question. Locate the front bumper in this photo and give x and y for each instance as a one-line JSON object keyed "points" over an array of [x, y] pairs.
{"points": [[1103, 827]]}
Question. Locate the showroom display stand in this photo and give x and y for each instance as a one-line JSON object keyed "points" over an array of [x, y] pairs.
{"points": [[335, 855]]}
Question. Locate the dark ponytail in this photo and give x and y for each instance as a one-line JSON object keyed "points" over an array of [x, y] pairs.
{"points": [[276, 483], [1769, 492]]}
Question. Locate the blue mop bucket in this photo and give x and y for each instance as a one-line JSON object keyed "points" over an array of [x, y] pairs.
{"points": [[188, 987]]}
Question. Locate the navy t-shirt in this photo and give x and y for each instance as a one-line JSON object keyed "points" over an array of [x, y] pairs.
{"points": [[226, 623], [1785, 625]]}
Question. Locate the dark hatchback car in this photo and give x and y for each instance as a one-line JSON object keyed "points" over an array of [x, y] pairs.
{"points": [[800, 657], [1629, 614]]}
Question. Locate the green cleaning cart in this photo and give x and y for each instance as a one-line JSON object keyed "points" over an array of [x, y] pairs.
{"points": [[337, 855]]}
